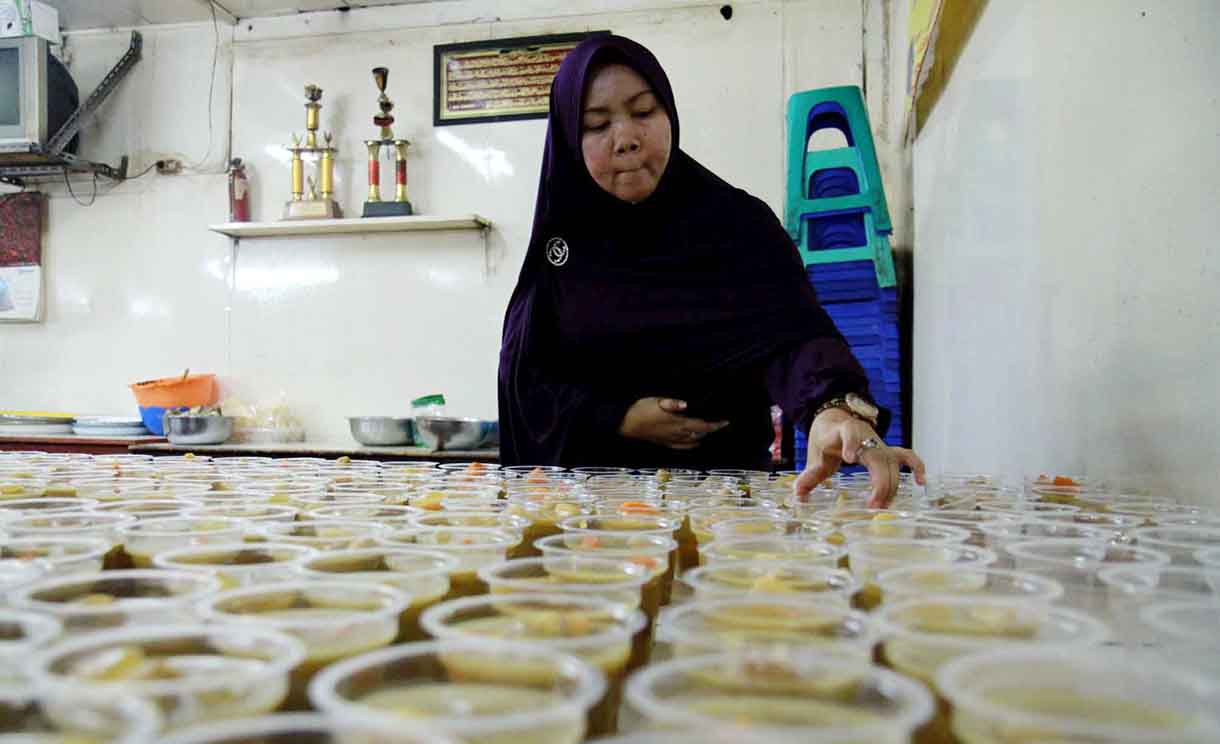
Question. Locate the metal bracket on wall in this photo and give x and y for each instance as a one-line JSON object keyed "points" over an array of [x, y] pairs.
{"points": [[50, 159]]}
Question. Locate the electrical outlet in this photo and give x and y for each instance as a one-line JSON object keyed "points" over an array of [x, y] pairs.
{"points": [[169, 166]]}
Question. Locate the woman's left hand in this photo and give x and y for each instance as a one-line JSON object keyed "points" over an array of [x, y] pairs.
{"points": [[837, 437]]}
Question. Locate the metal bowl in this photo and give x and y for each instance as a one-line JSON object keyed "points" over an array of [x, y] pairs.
{"points": [[449, 433], [381, 430], [198, 429]]}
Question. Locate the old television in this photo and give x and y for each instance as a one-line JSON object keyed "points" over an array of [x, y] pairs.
{"points": [[37, 95]]}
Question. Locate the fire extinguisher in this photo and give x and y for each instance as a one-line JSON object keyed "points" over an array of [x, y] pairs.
{"points": [[239, 192]]}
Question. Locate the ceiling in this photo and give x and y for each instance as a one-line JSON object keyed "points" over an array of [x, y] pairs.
{"points": [[75, 15]]}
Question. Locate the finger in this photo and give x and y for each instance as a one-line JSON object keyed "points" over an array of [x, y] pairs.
{"points": [[699, 426], [913, 461], [852, 437], [811, 477], [883, 474], [671, 405]]}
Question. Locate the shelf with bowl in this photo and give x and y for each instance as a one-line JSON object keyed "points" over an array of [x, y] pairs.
{"points": [[351, 226]]}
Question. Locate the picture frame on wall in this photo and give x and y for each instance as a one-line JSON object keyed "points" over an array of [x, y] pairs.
{"points": [[498, 79]]}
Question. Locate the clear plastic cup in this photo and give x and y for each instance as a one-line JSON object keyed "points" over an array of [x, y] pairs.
{"points": [[882, 528], [284, 491], [868, 558], [143, 539], [1085, 695], [75, 717], [841, 517], [597, 630], [76, 525], [334, 620], [324, 534], [149, 508], [1118, 523], [13, 489], [938, 579], [767, 622], [922, 634], [43, 505], [646, 523], [15, 574], [313, 501], [546, 510], [1179, 543], [480, 519], [808, 552], [392, 516], [1184, 634], [111, 489], [998, 536], [1024, 508], [21, 633], [802, 693], [472, 547], [306, 728], [479, 691], [238, 564], [115, 599], [653, 552], [191, 673], [397, 494], [433, 495], [423, 575], [1130, 589], [704, 518], [828, 586], [1076, 563], [971, 520], [57, 556], [253, 513], [617, 580]]}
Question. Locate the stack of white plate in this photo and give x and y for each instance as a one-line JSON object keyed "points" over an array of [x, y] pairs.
{"points": [[109, 426], [32, 425]]}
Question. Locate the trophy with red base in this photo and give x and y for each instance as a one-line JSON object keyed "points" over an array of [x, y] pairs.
{"points": [[374, 206]]}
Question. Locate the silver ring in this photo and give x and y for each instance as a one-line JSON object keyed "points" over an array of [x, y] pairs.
{"points": [[871, 443], [694, 435]]}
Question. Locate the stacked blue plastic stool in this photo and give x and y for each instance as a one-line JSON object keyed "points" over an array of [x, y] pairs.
{"points": [[837, 214]]}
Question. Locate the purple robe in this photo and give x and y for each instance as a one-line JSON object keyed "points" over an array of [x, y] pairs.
{"points": [[696, 293]]}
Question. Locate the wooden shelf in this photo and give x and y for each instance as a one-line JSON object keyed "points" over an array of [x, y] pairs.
{"points": [[350, 226]]}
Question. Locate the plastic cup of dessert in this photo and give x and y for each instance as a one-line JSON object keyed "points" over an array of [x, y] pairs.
{"points": [[333, 619], [597, 630], [314, 728], [113, 599], [479, 691], [57, 556], [936, 579], [323, 534], [768, 623], [472, 547], [192, 673], [797, 693], [806, 551], [771, 578], [29, 716], [238, 564], [1039, 694], [423, 575]]}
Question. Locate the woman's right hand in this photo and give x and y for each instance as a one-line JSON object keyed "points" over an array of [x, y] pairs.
{"points": [[660, 421]]}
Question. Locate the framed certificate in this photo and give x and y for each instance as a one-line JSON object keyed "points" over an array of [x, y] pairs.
{"points": [[499, 79]]}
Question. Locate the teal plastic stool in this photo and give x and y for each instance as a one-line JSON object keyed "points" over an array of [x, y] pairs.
{"points": [[840, 108], [876, 248]]}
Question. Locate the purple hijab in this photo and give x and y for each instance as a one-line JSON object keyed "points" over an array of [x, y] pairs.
{"points": [[696, 293]]}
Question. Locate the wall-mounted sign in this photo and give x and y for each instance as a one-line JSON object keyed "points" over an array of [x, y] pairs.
{"points": [[499, 79]]}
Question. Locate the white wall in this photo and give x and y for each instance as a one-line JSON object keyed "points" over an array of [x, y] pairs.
{"points": [[1067, 316], [138, 288]]}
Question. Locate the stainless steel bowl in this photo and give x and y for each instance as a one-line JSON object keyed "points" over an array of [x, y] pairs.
{"points": [[449, 433], [381, 430], [198, 429]]}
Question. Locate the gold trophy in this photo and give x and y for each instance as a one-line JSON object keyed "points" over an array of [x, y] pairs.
{"points": [[375, 207], [317, 204]]}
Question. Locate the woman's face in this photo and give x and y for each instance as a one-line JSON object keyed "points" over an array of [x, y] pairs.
{"points": [[625, 134]]}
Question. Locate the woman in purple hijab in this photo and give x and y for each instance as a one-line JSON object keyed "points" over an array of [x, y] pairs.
{"points": [[660, 311]]}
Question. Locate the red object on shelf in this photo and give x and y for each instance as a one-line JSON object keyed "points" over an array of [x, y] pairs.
{"points": [[239, 192], [21, 229]]}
